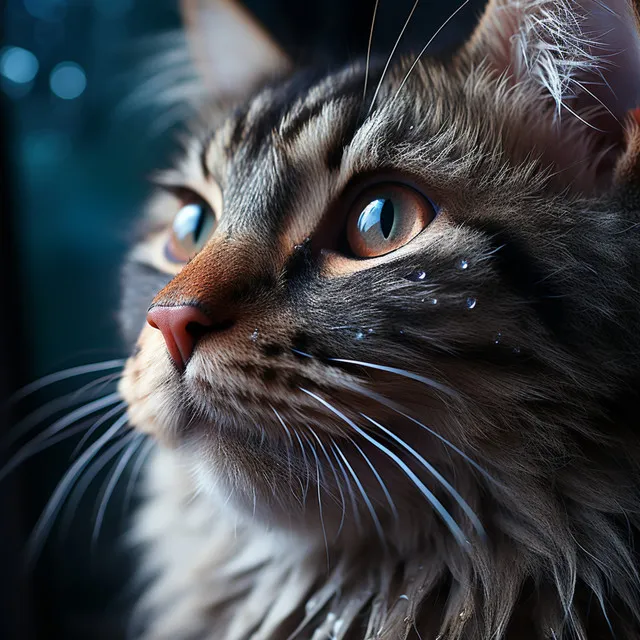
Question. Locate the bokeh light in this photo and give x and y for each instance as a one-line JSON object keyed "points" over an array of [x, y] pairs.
{"points": [[18, 65], [68, 80]]}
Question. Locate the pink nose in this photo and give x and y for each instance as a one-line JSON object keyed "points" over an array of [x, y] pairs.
{"points": [[181, 327]]}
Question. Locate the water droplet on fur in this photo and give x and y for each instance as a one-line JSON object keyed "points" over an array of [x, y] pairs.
{"points": [[417, 276], [471, 303], [401, 332], [254, 335], [498, 338], [370, 331], [310, 606], [404, 596], [516, 350], [411, 128], [434, 300], [359, 335], [463, 264]]}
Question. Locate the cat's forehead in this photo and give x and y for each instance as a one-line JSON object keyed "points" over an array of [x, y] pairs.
{"points": [[285, 155]]}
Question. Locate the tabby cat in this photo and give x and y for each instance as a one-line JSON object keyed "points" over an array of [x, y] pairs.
{"points": [[392, 357]]}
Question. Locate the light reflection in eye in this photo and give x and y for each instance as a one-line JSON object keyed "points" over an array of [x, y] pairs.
{"points": [[188, 222]]}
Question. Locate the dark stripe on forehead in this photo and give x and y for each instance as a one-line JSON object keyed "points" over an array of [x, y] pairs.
{"points": [[264, 173], [295, 125]]}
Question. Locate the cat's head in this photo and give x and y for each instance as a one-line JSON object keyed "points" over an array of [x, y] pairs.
{"points": [[398, 301]]}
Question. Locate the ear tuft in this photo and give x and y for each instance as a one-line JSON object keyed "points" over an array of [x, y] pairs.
{"points": [[568, 47], [580, 56]]}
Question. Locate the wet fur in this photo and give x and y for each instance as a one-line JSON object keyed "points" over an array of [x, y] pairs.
{"points": [[534, 385]]}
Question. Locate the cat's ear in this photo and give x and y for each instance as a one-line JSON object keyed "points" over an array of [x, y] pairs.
{"points": [[231, 49], [580, 56]]}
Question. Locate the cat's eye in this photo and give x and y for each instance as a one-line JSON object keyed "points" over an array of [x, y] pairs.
{"points": [[386, 217], [190, 230]]}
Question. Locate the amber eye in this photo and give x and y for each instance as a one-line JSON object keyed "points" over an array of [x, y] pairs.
{"points": [[386, 217], [191, 228]]}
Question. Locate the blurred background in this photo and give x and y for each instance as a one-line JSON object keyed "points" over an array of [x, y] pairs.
{"points": [[81, 126]]}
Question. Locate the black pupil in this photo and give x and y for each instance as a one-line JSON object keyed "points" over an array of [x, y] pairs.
{"points": [[199, 224], [386, 218]]}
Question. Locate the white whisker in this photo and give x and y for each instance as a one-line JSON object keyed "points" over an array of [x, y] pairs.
{"points": [[319, 490], [307, 468], [394, 407], [52, 407], [289, 451], [89, 475], [335, 475], [383, 486], [366, 70], [437, 505], [47, 517], [400, 372], [121, 406], [395, 46], [135, 473], [435, 473], [133, 443], [73, 372], [52, 435], [426, 46], [367, 501]]}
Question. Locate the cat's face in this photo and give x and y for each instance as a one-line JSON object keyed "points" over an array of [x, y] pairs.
{"points": [[361, 299]]}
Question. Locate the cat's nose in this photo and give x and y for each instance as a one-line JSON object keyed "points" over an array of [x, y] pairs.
{"points": [[181, 327]]}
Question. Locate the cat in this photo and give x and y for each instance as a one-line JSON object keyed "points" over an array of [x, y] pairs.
{"points": [[392, 353]]}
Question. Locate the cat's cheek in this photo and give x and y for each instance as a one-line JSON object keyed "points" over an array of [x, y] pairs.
{"points": [[148, 386]]}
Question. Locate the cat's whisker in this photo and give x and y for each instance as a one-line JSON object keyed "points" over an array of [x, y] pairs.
{"points": [[451, 490], [426, 46], [58, 376], [135, 474], [289, 451], [363, 493], [335, 475], [394, 407], [446, 517], [121, 406], [366, 69], [401, 372], [319, 491], [57, 432], [52, 407], [89, 475], [307, 468], [395, 46], [381, 482], [134, 440], [255, 502], [46, 520], [352, 494]]}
